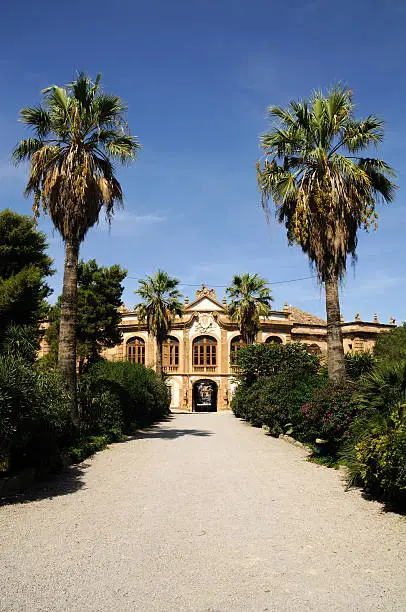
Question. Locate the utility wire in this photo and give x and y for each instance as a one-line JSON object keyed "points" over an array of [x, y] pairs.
{"points": [[292, 280]]}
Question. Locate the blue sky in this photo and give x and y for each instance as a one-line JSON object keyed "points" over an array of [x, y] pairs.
{"points": [[197, 76]]}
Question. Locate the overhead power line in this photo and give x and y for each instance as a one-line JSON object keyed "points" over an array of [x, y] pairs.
{"points": [[292, 280]]}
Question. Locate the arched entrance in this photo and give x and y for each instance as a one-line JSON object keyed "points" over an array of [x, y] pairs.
{"points": [[205, 396]]}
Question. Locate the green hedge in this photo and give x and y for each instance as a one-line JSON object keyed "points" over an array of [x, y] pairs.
{"points": [[120, 396]]}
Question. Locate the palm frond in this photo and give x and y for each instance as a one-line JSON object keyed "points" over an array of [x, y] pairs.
{"points": [[25, 149]]}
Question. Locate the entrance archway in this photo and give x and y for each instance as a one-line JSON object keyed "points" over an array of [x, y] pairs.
{"points": [[205, 396]]}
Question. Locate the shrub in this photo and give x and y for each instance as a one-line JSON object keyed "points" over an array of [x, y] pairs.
{"points": [[275, 401], [375, 454], [20, 341], [258, 360], [275, 380], [34, 415], [120, 395], [330, 412], [358, 363], [382, 389]]}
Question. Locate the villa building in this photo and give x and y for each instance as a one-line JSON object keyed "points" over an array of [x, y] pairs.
{"points": [[198, 355]]}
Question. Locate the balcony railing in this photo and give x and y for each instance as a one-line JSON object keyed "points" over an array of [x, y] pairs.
{"points": [[206, 369], [171, 368]]}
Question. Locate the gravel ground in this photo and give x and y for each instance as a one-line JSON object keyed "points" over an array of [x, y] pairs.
{"points": [[202, 513]]}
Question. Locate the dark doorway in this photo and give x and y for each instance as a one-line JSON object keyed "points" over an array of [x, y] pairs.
{"points": [[205, 396]]}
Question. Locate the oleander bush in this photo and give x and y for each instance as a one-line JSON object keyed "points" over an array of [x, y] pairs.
{"points": [[275, 380], [330, 412]]}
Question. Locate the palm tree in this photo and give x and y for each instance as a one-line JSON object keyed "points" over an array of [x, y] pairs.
{"points": [[78, 132], [250, 299], [323, 190], [160, 305]]}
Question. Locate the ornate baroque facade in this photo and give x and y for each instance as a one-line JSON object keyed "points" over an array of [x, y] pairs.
{"points": [[199, 353]]}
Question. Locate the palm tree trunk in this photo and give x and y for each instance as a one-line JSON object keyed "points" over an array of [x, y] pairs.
{"points": [[67, 329], [158, 360], [335, 349]]}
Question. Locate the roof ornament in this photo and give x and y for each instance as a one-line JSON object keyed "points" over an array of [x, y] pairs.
{"points": [[205, 292], [341, 318], [392, 321], [186, 301], [357, 316], [375, 318]]}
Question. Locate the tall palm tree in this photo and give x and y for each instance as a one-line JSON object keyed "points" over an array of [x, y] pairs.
{"points": [[78, 132], [250, 298], [323, 190], [160, 305]]}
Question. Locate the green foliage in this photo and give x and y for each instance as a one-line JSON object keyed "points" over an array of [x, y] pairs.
{"points": [[21, 341], [98, 317], [275, 401], [34, 415], [160, 303], [376, 454], [250, 299], [78, 131], [259, 360], [382, 389], [23, 268], [390, 347], [275, 380], [120, 396], [358, 363], [323, 189], [85, 447], [330, 412]]}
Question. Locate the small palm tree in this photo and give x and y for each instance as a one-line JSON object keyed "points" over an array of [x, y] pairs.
{"points": [[250, 298], [78, 131], [160, 305], [323, 190]]}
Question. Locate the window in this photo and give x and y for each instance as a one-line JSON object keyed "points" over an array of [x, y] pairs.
{"points": [[273, 340], [314, 349], [136, 350], [205, 351], [170, 352], [235, 345]]}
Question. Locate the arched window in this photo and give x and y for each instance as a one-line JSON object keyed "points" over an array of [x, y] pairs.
{"points": [[314, 349], [170, 352], [136, 350], [273, 340], [205, 351], [235, 345]]}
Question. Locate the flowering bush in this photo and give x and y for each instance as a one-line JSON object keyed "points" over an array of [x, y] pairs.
{"points": [[330, 412]]}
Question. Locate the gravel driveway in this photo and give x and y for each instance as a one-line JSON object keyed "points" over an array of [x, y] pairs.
{"points": [[201, 513]]}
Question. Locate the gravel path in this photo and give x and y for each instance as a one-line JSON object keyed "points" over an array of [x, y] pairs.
{"points": [[202, 513]]}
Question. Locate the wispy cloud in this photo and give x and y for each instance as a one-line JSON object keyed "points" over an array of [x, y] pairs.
{"points": [[9, 172], [126, 222]]}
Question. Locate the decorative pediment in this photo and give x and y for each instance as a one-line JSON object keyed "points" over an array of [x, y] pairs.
{"points": [[205, 301]]}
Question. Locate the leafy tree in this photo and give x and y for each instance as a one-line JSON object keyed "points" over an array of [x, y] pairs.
{"points": [[78, 132], [323, 190], [391, 346], [98, 317], [160, 305], [24, 265], [250, 298]]}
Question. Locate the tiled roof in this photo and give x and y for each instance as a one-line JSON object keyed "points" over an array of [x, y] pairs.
{"points": [[302, 317]]}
